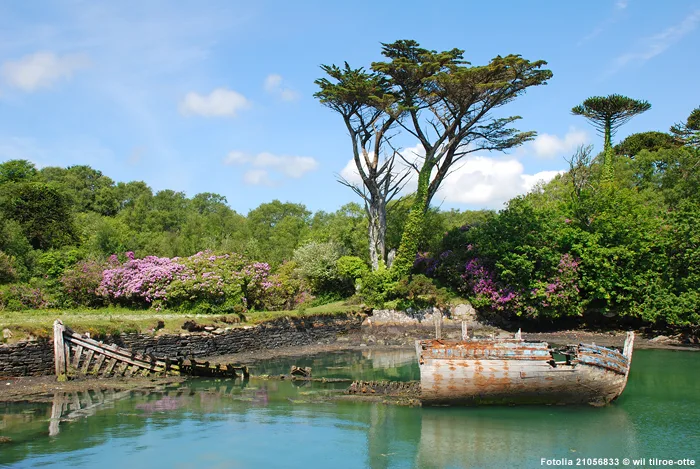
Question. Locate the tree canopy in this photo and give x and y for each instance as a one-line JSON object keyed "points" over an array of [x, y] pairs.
{"points": [[449, 107]]}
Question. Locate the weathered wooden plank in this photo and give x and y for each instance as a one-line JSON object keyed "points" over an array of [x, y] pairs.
{"points": [[112, 354], [98, 363], [76, 358], [110, 366], [59, 351], [121, 369], [117, 351], [133, 369], [88, 359]]}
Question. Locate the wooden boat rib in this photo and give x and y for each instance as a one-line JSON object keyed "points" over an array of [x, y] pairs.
{"points": [[515, 371], [78, 354]]}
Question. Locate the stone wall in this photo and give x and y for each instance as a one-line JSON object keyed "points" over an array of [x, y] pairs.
{"points": [[27, 358], [36, 357], [424, 317]]}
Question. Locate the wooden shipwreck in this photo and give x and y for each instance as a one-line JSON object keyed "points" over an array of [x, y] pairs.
{"points": [[78, 354], [515, 371]]}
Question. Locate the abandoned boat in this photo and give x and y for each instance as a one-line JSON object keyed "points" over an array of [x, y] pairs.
{"points": [[515, 371]]}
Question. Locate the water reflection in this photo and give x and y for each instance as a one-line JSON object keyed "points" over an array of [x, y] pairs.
{"points": [[252, 422]]}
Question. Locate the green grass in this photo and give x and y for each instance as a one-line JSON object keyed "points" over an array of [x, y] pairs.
{"points": [[106, 321]]}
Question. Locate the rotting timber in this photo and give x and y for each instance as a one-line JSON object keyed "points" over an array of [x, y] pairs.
{"points": [[77, 354], [515, 371]]}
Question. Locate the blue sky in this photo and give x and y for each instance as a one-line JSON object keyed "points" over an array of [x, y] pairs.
{"points": [[217, 96]]}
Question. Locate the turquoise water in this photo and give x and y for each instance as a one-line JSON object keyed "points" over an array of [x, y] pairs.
{"points": [[267, 424]]}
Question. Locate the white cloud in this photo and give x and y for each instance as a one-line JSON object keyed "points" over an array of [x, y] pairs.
{"points": [[550, 146], [530, 181], [287, 166], [352, 175], [257, 177], [621, 4], [489, 182], [477, 181], [657, 44], [41, 70], [221, 102], [274, 85]]}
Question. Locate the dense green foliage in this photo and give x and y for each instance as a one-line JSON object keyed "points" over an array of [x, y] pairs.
{"points": [[605, 252], [61, 230], [449, 104]]}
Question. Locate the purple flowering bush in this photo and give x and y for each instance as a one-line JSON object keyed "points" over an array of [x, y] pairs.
{"points": [[481, 287], [204, 282], [287, 289], [559, 295], [139, 282]]}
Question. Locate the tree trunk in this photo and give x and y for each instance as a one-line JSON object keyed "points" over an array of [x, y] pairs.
{"points": [[608, 153], [377, 231], [413, 230]]}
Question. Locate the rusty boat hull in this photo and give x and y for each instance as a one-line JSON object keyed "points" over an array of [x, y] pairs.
{"points": [[514, 371]]}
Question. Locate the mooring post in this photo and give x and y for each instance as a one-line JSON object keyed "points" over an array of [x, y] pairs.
{"points": [[438, 324], [465, 334], [59, 350]]}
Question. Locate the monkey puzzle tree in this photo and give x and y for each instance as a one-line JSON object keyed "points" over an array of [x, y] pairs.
{"points": [[361, 99], [447, 105], [689, 133], [607, 114]]}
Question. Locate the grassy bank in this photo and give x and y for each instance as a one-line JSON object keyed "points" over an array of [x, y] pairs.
{"points": [[106, 321]]}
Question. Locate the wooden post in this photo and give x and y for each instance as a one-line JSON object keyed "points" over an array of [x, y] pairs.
{"points": [[59, 350], [438, 324], [465, 334]]}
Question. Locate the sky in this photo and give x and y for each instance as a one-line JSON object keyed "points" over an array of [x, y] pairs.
{"points": [[217, 96]]}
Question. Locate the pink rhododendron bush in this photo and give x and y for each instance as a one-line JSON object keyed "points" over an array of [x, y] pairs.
{"points": [[204, 282]]}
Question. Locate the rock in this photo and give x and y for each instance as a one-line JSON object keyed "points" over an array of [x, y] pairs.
{"points": [[5, 439], [218, 331], [464, 311], [660, 339], [6, 334], [209, 328]]}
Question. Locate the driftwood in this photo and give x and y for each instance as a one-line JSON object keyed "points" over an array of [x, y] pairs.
{"points": [[301, 372]]}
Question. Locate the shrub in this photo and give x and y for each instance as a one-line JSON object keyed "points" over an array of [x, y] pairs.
{"points": [[419, 292], [139, 282], [206, 282], [377, 286], [559, 295], [8, 272], [287, 289], [351, 269], [317, 263], [19, 296], [81, 283]]}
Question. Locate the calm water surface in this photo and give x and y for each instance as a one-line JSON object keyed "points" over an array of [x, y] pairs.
{"points": [[267, 424]]}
